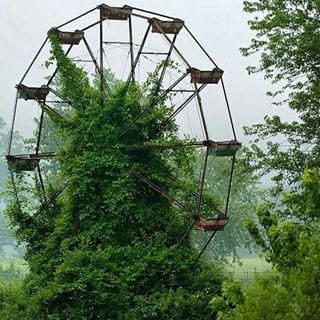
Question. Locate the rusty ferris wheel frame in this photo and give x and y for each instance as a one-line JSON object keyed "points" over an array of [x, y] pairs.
{"points": [[169, 27]]}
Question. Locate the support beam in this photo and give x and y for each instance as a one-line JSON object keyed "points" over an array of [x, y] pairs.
{"points": [[131, 75], [13, 122], [57, 69], [203, 119], [131, 47], [34, 59], [157, 188], [39, 132], [202, 180], [201, 47], [150, 12], [147, 108], [101, 56], [76, 18], [206, 245], [181, 107]]}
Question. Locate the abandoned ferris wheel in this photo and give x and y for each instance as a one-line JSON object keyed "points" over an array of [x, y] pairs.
{"points": [[132, 42]]}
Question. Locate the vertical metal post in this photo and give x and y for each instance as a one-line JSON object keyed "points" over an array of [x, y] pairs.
{"points": [[39, 131], [206, 245], [201, 186], [15, 191], [190, 226], [41, 183], [230, 185], [13, 121], [201, 112], [166, 64], [101, 55], [131, 48], [91, 55], [94, 60], [229, 110], [139, 53]]}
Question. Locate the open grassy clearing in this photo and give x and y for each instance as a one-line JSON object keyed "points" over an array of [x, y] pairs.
{"points": [[247, 268], [251, 264], [12, 269], [20, 264]]}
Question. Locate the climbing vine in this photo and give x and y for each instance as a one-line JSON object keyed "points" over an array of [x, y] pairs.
{"points": [[106, 248]]}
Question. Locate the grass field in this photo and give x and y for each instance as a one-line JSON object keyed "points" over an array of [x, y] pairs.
{"points": [[244, 270], [252, 264], [12, 269], [248, 268]]}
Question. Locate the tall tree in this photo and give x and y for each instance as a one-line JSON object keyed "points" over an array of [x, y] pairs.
{"points": [[286, 227], [287, 39], [289, 236], [7, 237]]}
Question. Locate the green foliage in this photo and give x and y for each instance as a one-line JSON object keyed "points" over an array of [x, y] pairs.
{"points": [[11, 272], [106, 249], [286, 226], [231, 296], [287, 40], [13, 302], [289, 236], [268, 299], [280, 230], [7, 237]]}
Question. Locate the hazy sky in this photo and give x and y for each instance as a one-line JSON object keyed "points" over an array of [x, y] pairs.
{"points": [[221, 27]]}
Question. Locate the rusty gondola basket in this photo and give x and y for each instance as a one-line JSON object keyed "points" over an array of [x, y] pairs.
{"points": [[114, 13], [32, 93], [168, 27], [212, 224], [71, 38], [205, 76], [223, 148], [23, 162]]}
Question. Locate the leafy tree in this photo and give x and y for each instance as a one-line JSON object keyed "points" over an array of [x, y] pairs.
{"points": [[287, 38], [13, 301], [106, 249], [282, 231], [286, 230], [6, 236], [3, 144], [289, 236], [267, 299]]}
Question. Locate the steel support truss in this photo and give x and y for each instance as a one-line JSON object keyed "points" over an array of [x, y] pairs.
{"points": [[169, 28]]}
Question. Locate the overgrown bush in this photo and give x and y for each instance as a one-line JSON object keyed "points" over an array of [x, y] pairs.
{"points": [[106, 249]]}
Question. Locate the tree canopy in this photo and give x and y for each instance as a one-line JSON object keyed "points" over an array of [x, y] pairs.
{"points": [[287, 38], [289, 236], [286, 227]]}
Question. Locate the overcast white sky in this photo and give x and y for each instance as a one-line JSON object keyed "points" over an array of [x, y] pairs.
{"points": [[220, 25]]}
